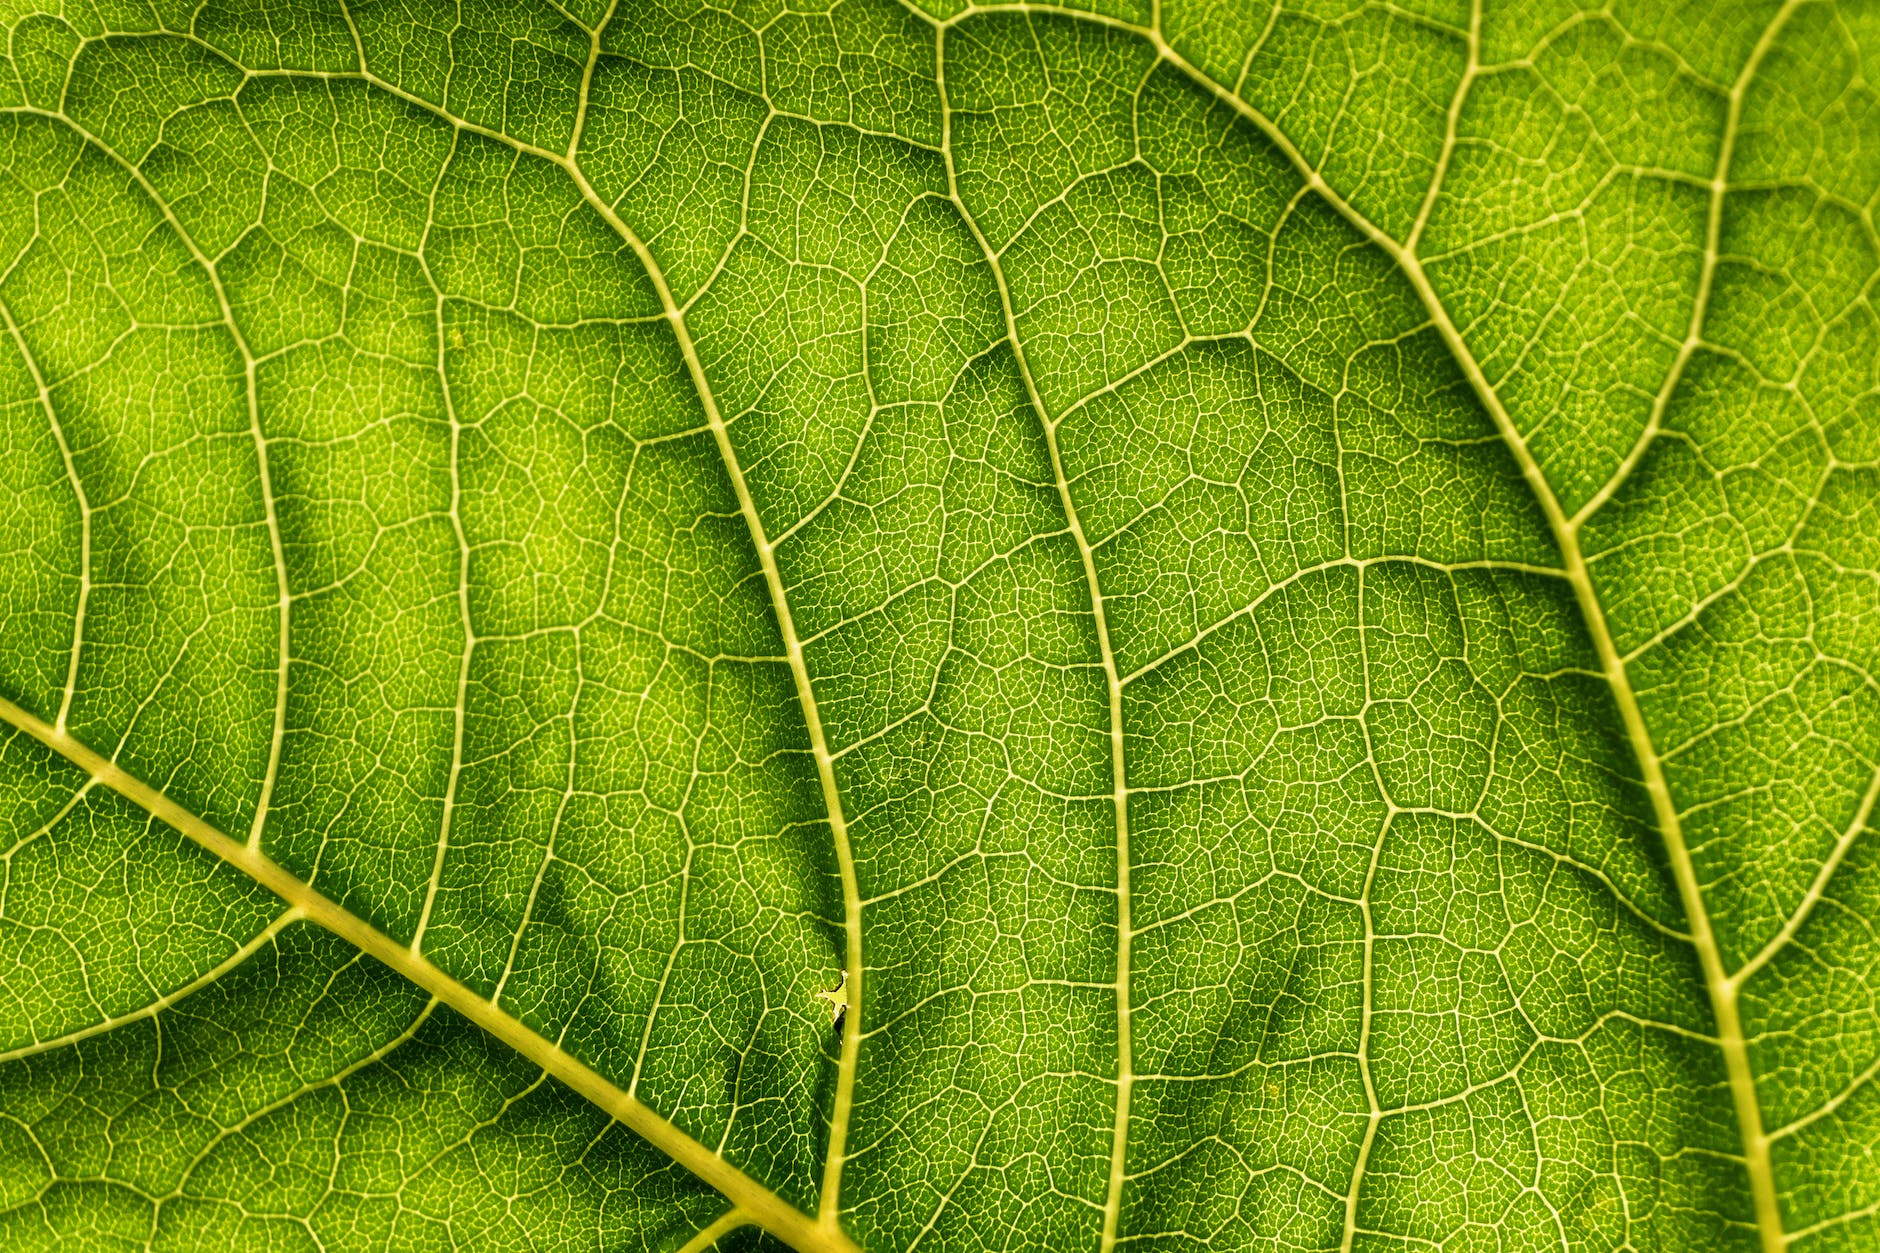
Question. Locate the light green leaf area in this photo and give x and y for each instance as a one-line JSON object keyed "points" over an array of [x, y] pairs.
{"points": [[1183, 625]]}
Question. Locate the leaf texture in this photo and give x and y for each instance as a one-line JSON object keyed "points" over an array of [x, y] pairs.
{"points": [[1281, 604]]}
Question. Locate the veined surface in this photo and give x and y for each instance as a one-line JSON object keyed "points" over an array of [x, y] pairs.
{"points": [[1284, 600]]}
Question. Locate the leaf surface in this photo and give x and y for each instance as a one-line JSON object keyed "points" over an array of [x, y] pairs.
{"points": [[900, 626]]}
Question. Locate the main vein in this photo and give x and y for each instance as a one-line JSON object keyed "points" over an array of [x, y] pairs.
{"points": [[757, 1203], [1721, 987]]}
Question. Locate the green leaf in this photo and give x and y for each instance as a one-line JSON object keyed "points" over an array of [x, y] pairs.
{"points": [[899, 626]]}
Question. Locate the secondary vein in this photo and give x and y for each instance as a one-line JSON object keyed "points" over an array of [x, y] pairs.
{"points": [[1125, 1064], [757, 1203], [1721, 991], [829, 1207], [283, 597], [70, 691]]}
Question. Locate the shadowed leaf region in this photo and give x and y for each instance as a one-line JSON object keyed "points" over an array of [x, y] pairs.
{"points": [[1180, 625]]}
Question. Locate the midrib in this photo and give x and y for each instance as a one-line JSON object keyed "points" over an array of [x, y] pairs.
{"points": [[1719, 986], [758, 1204]]}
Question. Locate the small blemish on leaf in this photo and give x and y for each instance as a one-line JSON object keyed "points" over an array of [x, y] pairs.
{"points": [[838, 998]]}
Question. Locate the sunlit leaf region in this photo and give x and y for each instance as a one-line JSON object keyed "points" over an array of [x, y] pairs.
{"points": [[1182, 626]]}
